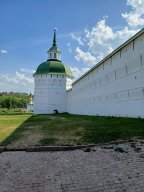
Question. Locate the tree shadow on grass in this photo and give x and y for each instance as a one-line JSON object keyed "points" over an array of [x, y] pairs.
{"points": [[30, 124], [66, 129], [59, 129], [44, 129]]}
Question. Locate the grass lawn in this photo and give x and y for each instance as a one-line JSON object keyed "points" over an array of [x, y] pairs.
{"points": [[65, 129]]}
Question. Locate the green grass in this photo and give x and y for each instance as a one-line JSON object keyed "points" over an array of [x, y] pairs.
{"points": [[66, 129], [9, 126]]}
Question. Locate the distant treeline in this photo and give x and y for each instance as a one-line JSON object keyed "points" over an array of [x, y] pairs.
{"points": [[11, 100]]}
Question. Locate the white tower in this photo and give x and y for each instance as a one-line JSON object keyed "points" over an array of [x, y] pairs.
{"points": [[52, 79]]}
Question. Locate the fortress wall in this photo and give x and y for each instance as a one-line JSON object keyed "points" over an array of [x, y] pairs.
{"points": [[113, 87]]}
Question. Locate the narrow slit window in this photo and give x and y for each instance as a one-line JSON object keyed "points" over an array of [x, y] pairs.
{"points": [[54, 55]]}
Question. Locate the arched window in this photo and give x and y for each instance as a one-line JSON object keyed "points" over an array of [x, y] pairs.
{"points": [[54, 55]]}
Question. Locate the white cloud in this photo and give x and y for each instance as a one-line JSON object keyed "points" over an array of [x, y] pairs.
{"points": [[27, 70], [3, 51], [86, 57], [77, 38], [19, 82], [69, 47], [100, 41], [136, 16], [24, 78], [78, 72]]}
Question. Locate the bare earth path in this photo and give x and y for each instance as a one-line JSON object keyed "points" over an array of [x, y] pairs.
{"points": [[109, 168]]}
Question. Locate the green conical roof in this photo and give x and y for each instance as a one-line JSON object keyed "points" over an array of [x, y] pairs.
{"points": [[53, 67]]}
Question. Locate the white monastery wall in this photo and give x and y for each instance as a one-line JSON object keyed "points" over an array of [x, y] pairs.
{"points": [[115, 86], [50, 91]]}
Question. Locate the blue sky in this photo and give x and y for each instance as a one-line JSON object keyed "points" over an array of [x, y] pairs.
{"points": [[87, 31]]}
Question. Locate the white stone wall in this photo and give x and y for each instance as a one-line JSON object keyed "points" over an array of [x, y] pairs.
{"points": [[116, 87], [49, 94]]}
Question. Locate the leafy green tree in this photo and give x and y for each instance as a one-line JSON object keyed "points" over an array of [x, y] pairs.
{"points": [[13, 100]]}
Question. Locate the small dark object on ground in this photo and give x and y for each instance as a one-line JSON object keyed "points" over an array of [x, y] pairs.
{"points": [[107, 147], [133, 145], [142, 155], [88, 149], [137, 149], [55, 111], [119, 149]]}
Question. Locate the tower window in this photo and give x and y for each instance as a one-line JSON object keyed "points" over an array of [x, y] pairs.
{"points": [[55, 55]]}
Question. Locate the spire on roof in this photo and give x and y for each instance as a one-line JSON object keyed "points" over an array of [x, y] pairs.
{"points": [[54, 38]]}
